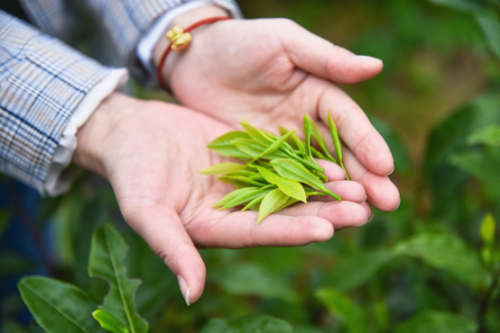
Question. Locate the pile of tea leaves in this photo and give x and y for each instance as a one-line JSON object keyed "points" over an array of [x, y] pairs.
{"points": [[275, 172]]}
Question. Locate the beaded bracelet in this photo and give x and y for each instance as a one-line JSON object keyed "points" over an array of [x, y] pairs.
{"points": [[180, 39]]}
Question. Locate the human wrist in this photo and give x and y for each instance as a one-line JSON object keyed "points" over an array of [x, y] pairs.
{"points": [[184, 20], [93, 137]]}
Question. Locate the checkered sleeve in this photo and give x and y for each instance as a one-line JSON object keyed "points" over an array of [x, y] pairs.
{"points": [[42, 83]]}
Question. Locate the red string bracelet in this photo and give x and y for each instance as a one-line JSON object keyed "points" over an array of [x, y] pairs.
{"points": [[180, 39]]}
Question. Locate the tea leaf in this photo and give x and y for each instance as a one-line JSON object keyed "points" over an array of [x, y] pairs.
{"points": [[336, 142], [109, 322], [289, 187], [258, 199], [227, 198], [271, 202], [223, 168], [224, 145], [254, 149], [320, 139], [245, 195], [240, 181], [290, 169], [254, 132], [273, 147], [294, 141], [307, 133]]}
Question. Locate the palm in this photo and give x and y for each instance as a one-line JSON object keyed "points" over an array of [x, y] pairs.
{"points": [[266, 85], [153, 162]]}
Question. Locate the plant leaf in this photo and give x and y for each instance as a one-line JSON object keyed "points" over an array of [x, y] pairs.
{"points": [[489, 21], [273, 200], [257, 200], [336, 142], [244, 195], [294, 141], [344, 309], [487, 230], [290, 169], [106, 261], [109, 322], [307, 133], [273, 147], [223, 168], [58, 306], [255, 149], [289, 187], [240, 181], [321, 140], [489, 135], [254, 132], [224, 145]]}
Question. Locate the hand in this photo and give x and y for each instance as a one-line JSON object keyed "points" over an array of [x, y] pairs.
{"points": [[152, 153], [273, 71]]}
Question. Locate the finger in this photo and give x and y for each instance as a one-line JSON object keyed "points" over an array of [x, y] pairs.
{"points": [[347, 190], [340, 214], [332, 170], [164, 232], [240, 230], [324, 59], [381, 192], [356, 131]]}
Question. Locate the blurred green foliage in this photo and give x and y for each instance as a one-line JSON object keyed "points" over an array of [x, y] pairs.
{"points": [[431, 266]]}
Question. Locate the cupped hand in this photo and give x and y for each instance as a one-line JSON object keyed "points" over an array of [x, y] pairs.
{"points": [[273, 71], [152, 152]]}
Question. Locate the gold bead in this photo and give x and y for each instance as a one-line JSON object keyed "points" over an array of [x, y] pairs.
{"points": [[182, 42]]}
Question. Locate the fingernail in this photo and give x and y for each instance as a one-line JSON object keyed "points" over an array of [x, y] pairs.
{"points": [[397, 206], [185, 290], [371, 218], [366, 198], [390, 173], [368, 58]]}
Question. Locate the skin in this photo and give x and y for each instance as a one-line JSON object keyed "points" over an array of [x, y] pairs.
{"points": [[151, 152]]}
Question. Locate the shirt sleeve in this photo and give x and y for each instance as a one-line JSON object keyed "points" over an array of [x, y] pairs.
{"points": [[46, 91]]}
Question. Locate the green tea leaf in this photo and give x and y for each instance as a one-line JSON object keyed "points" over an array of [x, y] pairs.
{"points": [[240, 181], [344, 309], [289, 187], [307, 133], [320, 139], [290, 169], [294, 141], [106, 261], [254, 132], [224, 145], [245, 195], [248, 324], [223, 168], [438, 322], [255, 149], [258, 199], [336, 142], [273, 147], [109, 322], [272, 201], [58, 306]]}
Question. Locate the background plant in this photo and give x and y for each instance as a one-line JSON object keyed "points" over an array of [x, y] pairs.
{"points": [[433, 265]]}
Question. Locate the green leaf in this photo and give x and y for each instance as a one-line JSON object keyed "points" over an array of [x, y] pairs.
{"points": [[290, 169], [251, 279], [239, 182], [470, 6], [438, 322], [224, 145], [488, 230], [255, 149], [255, 133], [343, 309], [272, 147], [489, 135], [307, 134], [321, 140], [257, 200], [294, 141], [109, 322], [223, 168], [57, 306], [250, 194], [271, 203], [449, 252], [336, 142], [352, 272], [248, 324], [289, 187], [106, 261], [489, 22]]}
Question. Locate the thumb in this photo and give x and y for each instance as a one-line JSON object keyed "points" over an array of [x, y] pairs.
{"points": [[322, 58], [164, 232]]}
